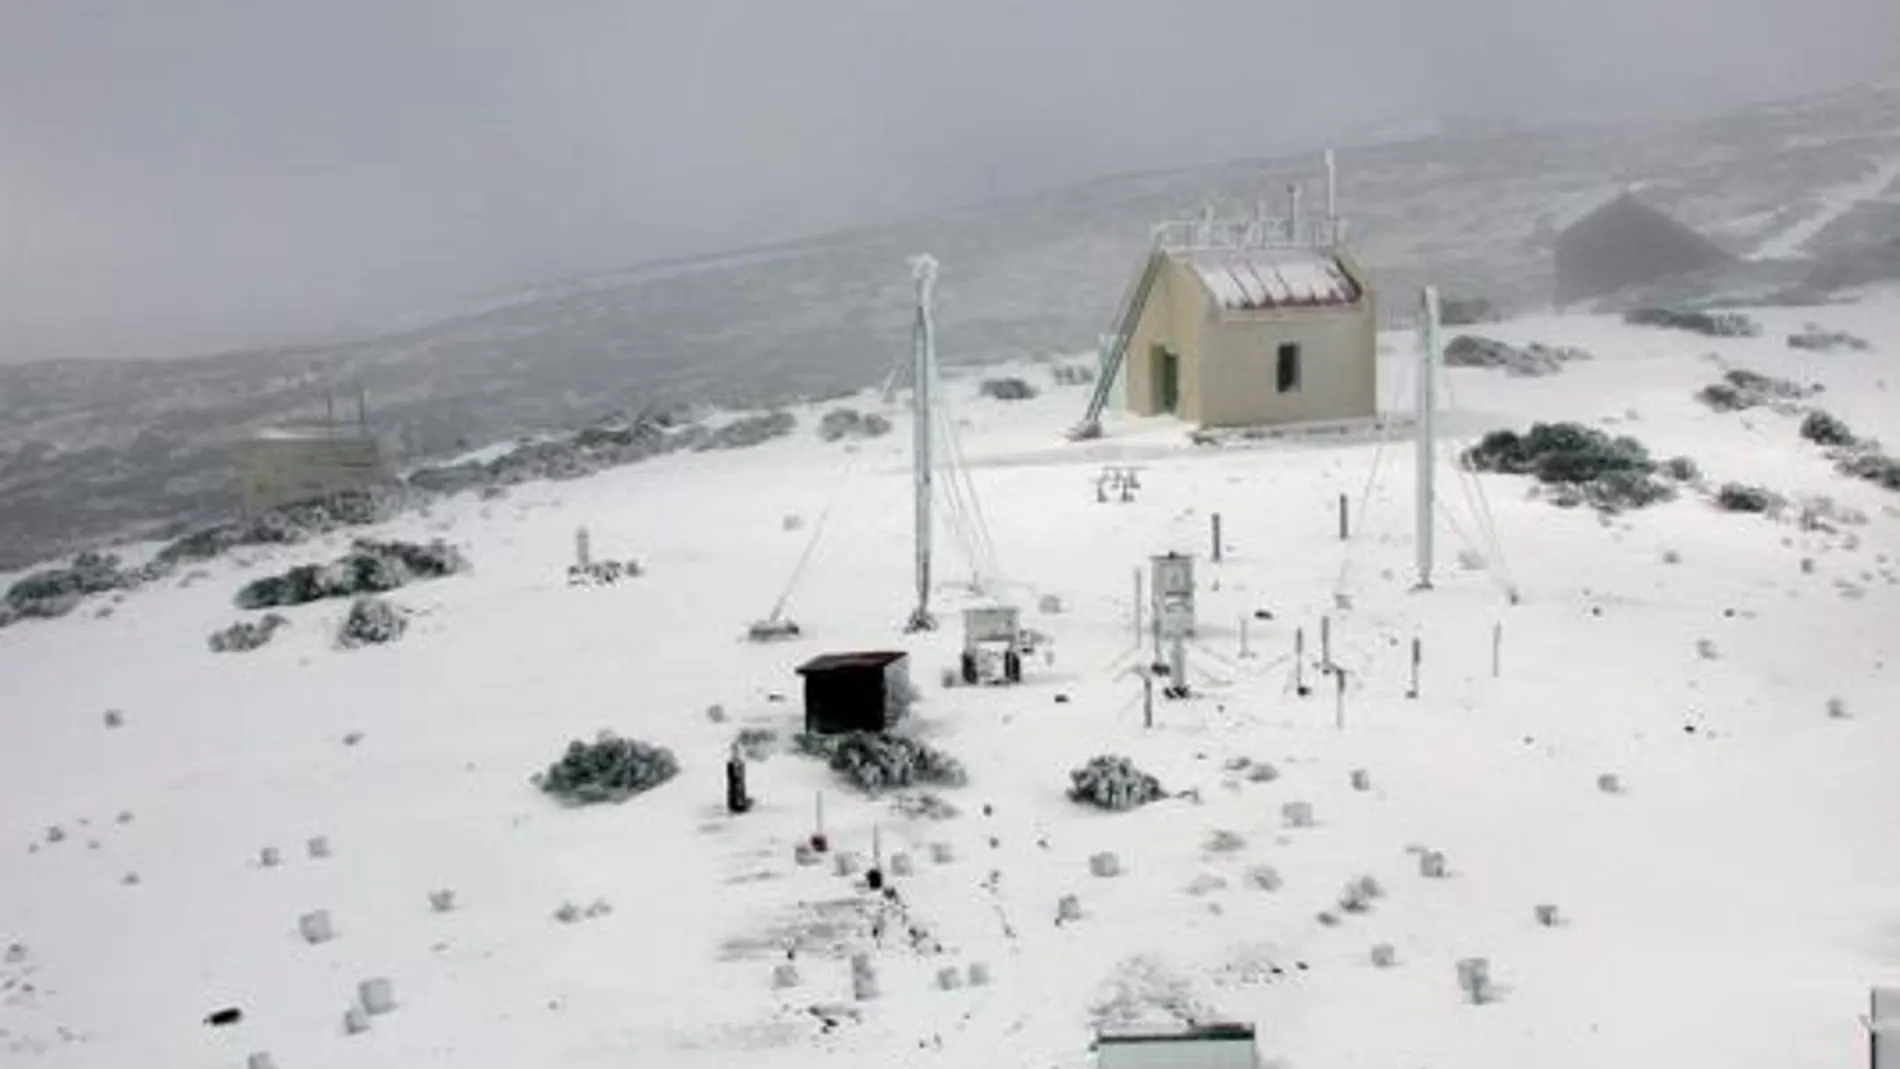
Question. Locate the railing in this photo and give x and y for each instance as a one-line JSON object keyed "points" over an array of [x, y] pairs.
{"points": [[1208, 234]]}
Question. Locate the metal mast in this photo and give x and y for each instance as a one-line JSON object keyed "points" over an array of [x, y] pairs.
{"points": [[1427, 412], [923, 370]]}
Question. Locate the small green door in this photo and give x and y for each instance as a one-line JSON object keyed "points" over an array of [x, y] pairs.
{"points": [[1167, 378]]}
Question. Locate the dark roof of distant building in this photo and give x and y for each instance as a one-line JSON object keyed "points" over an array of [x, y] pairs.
{"points": [[857, 659]]}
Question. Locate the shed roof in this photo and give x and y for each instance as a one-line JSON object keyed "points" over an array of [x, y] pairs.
{"points": [[853, 660], [1256, 279]]}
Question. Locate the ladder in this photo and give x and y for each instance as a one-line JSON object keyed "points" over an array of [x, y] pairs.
{"points": [[1127, 315]]}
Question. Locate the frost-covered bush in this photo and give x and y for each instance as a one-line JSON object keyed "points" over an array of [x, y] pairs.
{"points": [[1586, 465], [53, 592], [1815, 339], [1741, 497], [1825, 428], [1113, 783], [1743, 389], [877, 762], [244, 635], [747, 431], [1006, 389], [1681, 469], [1873, 466], [369, 568], [1465, 311], [602, 572], [372, 621], [1470, 350], [287, 524], [609, 769], [1713, 324], [840, 423]]}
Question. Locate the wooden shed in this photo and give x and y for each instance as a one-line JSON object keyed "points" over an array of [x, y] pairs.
{"points": [[864, 690]]}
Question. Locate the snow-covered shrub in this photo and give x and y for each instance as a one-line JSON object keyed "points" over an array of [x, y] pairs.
{"points": [[609, 769], [376, 995], [1265, 877], [756, 744], [1712, 324], [1068, 909], [1113, 783], [244, 636], [1741, 497], [1681, 469], [1741, 389], [315, 927], [602, 572], [1582, 463], [1547, 915], [1871, 465], [881, 762], [1105, 865], [1072, 374], [1465, 311], [1006, 389], [1471, 350], [1815, 339], [53, 592], [1383, 956], [750, 430], [1825, 428], [840, 423], [372, 622], [1223, 841], [369, 568]]}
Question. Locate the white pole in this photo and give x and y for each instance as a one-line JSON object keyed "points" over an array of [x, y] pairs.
{"points": [[1137, 608], [923, 369], [1427, 413], [1332, 194], [1293, 213]]}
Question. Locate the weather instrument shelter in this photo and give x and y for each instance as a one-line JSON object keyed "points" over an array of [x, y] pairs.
{"points": [[866, 690]]}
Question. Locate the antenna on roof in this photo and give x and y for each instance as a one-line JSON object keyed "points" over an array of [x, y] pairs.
{"points": [[362, 406], [1293, 212], [1332, 196]]}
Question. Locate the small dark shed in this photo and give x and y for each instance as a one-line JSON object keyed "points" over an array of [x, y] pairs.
{"points": [[867, 690]]}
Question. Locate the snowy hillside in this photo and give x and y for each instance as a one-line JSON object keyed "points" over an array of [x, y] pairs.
{"points": [[90, 449], [1729, 904]]}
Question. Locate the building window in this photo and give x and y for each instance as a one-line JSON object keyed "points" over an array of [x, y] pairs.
{"points": [[1286, 371]]}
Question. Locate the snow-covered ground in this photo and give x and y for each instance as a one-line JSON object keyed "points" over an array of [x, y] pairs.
{"points": [[1730, 907]]}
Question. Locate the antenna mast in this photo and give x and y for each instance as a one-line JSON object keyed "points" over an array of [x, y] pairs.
{"points": [[1427, 406], [923, 370]]}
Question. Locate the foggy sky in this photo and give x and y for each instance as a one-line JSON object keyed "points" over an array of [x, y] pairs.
{"points": [[185, 175]]}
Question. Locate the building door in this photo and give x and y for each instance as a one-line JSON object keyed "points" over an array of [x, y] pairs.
{"points": [[1167, 376]]}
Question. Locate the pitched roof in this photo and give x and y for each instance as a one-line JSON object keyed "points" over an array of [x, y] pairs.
{"points": [[858, 660], [1291, 277]]}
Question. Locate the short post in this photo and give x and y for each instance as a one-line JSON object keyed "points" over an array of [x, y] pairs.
{"points": [[1345, 528], [818, 841], [1418, 655], [1326, 642], [1339, 698], [1214, 531], [1244, 652], [877, 847], [1497, 648], [1299, 662], [1147, 699], [583, 552], [736, 800]]}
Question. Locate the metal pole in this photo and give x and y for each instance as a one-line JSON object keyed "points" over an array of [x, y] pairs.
{"points": [[1147, 699], [1344, 526], [1326, 642], [1417, 656], [1244, 654], [924, 270], [1214, 523], [1497, 644], [1427, 405]]}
